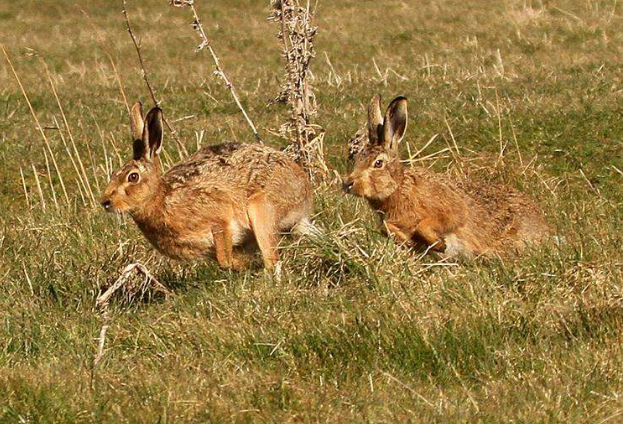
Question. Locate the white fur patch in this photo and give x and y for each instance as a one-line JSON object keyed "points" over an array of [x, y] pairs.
{"points": [[292, 219], [209, 239], [239, 233], [455, 246], [305, 227]]}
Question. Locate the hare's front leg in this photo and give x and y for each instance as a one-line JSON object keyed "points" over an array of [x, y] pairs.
{"points": [[263, 223], [429, 230], [400, 236], [222, 237]]}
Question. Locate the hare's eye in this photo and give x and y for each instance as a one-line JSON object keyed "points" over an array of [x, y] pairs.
{"points": [[378, 163], [133, 177]]}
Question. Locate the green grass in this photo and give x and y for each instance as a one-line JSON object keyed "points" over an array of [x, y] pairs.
{"points": [[356, 330]]}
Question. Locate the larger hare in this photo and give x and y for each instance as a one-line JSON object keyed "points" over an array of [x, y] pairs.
{"points": [[221, 197], [422, 208]]}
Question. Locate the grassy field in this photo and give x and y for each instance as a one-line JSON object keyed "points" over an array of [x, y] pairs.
{"points": [[356, 329]]}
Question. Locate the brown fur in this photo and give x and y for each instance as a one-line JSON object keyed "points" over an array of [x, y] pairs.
{"points": [[424, 209], [220, 198]]}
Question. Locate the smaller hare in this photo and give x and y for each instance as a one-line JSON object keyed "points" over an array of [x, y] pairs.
{"points": [[221, 197], [424, 209]]}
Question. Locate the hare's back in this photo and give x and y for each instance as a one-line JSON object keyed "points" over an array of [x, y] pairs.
{"points": [[516, 218], [204, 163], [274, 174], [437, 190], [239, 167], [224, 162]]}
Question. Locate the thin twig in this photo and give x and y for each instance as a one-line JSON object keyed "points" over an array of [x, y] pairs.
{"points": [[137, 46], [205, 43], [101, 342]]}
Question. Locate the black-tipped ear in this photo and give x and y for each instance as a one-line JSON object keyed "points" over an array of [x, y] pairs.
{"points": [[395, 124], [152, 131], [375, 120], [139, 149]]}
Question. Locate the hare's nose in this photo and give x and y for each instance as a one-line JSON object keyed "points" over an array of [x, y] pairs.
{"points": [[106, 204], [347, 185]]}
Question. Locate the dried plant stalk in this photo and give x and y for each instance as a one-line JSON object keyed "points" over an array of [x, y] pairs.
{"points": [[182, 152], [82, 186], [82, 173], [205, 44], [45, 65], [101, 342], [25, 189], [50, 183], [297, 33], [135, 268], [103, 300]]}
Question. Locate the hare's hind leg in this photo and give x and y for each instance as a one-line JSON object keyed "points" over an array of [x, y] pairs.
{"points": [[262, 217]]}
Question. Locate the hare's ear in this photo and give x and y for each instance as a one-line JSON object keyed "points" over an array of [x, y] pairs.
{"points": [[152, 132], [375, 120], [136, 121], [136, 128], [395, 123]]}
